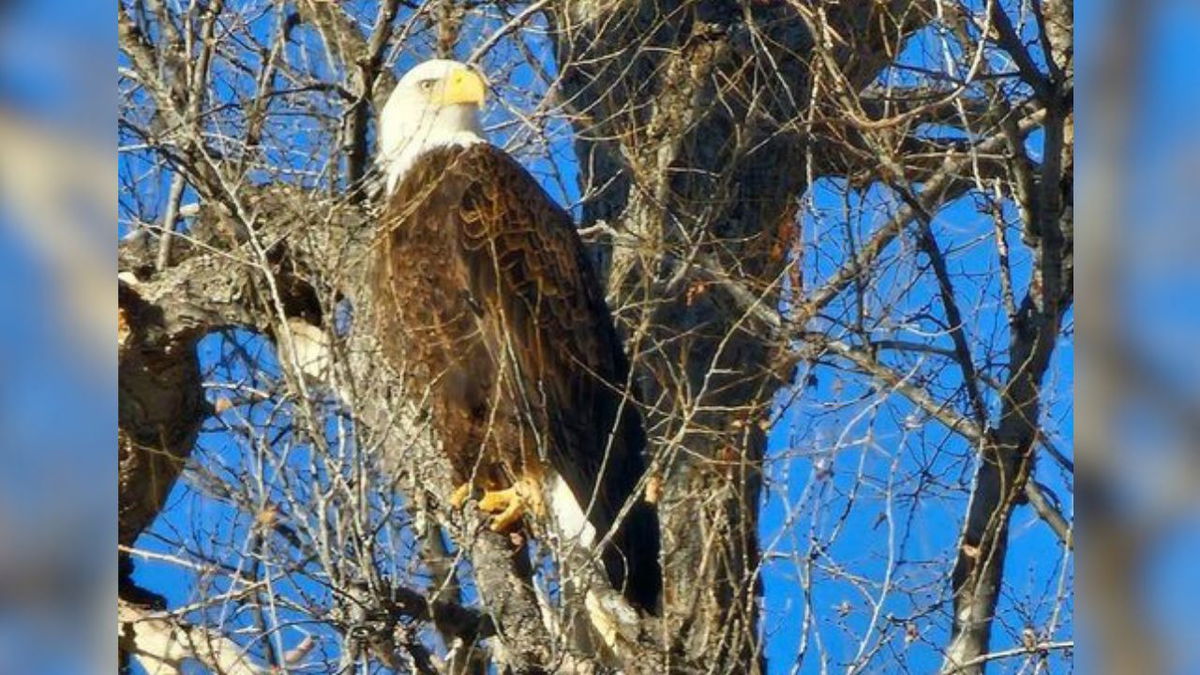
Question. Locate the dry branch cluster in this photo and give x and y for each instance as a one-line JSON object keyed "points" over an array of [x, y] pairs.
{"points": [[847, 226]]}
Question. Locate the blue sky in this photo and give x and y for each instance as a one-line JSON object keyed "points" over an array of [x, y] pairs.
{"points": [[884, 447]]}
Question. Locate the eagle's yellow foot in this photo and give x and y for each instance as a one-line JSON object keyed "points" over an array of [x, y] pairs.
{"points": [[509, 506], [460, 495]]}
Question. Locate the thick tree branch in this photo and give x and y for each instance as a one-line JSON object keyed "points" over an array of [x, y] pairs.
{"points": [[162, 643]]}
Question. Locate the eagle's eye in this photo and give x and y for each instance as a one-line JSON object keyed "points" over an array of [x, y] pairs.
{"points": [[427, 85]]}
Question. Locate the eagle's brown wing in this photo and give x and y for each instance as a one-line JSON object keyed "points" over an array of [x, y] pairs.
{"points": [[543, 314]]}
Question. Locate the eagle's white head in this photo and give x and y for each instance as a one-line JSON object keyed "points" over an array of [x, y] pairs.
{"points": [[435, 104]]}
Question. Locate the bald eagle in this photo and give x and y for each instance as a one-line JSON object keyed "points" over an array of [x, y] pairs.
{"points": [[484, 293]]}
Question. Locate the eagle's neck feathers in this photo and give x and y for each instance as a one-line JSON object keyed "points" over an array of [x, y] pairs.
{"points": [[398, 164], [408, 135]]}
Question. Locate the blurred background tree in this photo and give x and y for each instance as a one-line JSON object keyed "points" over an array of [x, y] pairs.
{"points": [[837, 238]]}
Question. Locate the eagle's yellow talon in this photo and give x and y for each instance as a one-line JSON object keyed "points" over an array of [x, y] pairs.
{"points": [[509, 506], [460, 495], [509, 517], [494, 501]]}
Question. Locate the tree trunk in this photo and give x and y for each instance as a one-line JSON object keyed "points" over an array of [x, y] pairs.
{"points": [[686, 119]]}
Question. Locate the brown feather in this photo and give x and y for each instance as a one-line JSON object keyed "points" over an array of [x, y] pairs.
{"points": [[486, 296]]}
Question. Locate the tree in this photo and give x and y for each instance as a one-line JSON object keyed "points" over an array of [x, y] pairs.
{"points": [[837, 238]]}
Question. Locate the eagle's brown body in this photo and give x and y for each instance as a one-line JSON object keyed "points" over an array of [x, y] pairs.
{"points": [[486, 298]]}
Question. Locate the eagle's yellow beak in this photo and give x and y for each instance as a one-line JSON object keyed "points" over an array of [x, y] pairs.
{"points": [[461, 86]]}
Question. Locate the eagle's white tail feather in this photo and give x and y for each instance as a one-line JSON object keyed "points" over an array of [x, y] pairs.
{"points": [[573, 526], [610, 616]]}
